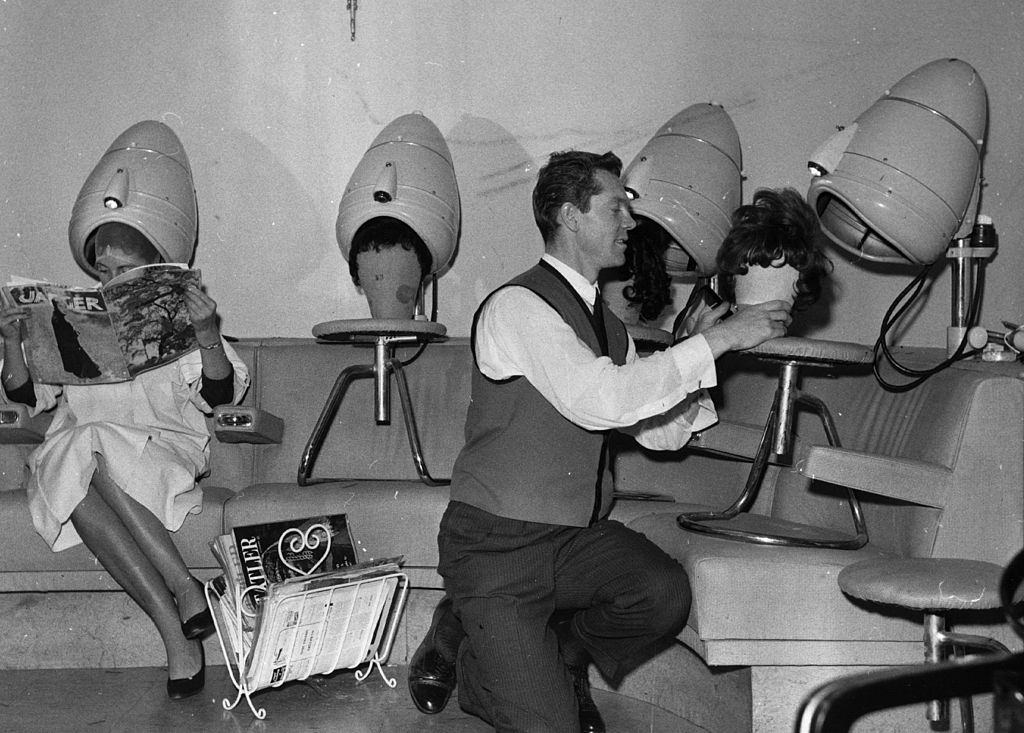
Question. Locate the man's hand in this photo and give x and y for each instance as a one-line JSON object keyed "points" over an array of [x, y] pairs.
{"points": [[749, 326], [701, 319]]}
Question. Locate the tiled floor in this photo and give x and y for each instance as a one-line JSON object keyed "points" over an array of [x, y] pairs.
{"points": [[102, 700]]}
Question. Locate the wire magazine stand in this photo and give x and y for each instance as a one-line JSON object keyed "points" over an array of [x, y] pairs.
{"points": [[313, 623]]}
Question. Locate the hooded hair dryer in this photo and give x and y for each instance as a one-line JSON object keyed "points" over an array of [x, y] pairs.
{"points": [[143, 180]]}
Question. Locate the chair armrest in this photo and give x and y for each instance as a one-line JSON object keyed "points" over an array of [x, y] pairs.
{"points": [[898, 478], [16, 426], [244, 424]]}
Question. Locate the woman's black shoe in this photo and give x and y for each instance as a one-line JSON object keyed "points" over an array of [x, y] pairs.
{"points": [[199, 626], [182, 688]]}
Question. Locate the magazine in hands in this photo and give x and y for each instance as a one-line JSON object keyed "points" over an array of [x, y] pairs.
{"points": [[293, 602], [136, 322]]}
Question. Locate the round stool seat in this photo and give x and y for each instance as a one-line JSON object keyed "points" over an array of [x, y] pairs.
{"points": [[369, 329], [812, 351], [927, 584]]}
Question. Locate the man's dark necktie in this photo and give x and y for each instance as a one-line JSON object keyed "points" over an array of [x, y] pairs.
{"points": [[598, 320], [602, 339]]}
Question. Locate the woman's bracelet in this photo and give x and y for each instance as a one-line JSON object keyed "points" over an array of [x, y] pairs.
{"points": [[211, 347]]}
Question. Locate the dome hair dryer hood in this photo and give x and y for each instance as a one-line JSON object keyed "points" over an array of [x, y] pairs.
{"points": [[406, 174], [688, 179], [143, 180], [896, 186]]}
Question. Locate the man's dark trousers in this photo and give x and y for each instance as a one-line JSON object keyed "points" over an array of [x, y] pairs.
{"points": [[507, 578]]}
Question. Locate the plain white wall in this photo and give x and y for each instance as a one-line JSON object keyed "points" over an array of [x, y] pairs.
{"points": [[276, 105]]}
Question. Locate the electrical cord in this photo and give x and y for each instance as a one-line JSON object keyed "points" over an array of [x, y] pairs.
{"points": [[892, 316], [433, 319]]}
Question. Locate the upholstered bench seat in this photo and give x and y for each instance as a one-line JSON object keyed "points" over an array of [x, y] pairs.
{"points": [[762, 605]]}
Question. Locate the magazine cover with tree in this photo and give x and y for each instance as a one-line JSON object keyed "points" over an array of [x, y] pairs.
{"points": [[138, 321]]}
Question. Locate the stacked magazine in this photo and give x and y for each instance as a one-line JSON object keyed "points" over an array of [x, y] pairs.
{"points": [[292, 601]]}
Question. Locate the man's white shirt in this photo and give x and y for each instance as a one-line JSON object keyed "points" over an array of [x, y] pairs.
{"points": [[660, 399]]}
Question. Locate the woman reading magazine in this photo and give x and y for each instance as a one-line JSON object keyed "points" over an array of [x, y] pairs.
{"points": [[117, 469]]}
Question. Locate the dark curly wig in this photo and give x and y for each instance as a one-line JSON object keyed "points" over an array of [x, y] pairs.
{"points": [[651, 286], [384, 231], [779, 223]]}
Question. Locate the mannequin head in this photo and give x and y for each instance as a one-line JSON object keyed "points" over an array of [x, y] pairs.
{"points": [[777, 230]]}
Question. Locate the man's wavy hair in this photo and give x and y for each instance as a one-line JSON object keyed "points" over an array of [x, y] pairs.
{"points": [[779, 223], [569, 176]]}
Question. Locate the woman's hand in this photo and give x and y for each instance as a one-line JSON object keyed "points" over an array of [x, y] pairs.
{"points": [[10, 322], [15, 372], [203, 311]]}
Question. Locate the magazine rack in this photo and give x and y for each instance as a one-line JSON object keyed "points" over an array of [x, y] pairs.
{"points": [[315, 623]]}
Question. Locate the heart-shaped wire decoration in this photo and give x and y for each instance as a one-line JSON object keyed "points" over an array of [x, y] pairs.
{"points": [[312, 538]]}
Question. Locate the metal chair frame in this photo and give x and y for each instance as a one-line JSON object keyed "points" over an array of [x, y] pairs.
{"points": [[837, 705], [776, 439], [383, 366]]}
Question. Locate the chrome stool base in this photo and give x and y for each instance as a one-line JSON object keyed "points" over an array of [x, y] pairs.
{"points": [[793, 353], [384, 335]]}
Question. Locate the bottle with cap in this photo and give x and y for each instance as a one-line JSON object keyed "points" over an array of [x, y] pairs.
{"points": [[984, 232]]}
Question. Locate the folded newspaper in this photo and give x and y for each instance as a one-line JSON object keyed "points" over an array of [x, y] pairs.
{"points": [[136, 322]]}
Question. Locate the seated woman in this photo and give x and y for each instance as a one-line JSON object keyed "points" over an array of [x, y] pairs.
{"points": [[117, 469]]}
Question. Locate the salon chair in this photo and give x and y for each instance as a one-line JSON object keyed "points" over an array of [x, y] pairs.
{"points": [[791, 354], [895, 186]]}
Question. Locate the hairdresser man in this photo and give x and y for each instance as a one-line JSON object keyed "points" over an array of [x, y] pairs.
{"points": [[541, 580]]}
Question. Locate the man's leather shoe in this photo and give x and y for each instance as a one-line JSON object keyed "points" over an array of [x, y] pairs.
{"points": [[590, 717], [431, 679], [432, 669], [577, 661]]}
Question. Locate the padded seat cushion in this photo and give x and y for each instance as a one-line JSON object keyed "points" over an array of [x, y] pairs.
{"points": [[814, 351], [925, 583], [748, 591], [368, 329]]}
